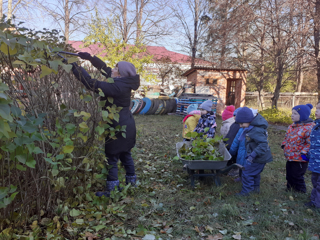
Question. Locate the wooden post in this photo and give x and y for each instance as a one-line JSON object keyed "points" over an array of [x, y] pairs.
{"points": [[293, 98]]}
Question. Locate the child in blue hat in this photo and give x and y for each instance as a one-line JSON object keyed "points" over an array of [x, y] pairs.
{"points": [[257, 147], [296, 147]]}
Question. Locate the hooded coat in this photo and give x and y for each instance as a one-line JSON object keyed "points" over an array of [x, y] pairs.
{"points": [[226, 124], [120, 91], [238, 148], [257, 140], [314, 152], [189, 124], [297, 140]]}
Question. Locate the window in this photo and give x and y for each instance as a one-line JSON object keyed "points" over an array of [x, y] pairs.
{"points": [[211, 81]]}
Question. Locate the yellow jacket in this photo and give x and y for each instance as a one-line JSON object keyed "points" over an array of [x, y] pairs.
{"points": [[190, 124]]}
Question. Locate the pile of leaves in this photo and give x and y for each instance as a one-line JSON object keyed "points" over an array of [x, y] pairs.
{"points": [[201, 148]]}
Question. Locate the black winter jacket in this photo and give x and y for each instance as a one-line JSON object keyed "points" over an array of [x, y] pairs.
{"points": [[120, 90]]}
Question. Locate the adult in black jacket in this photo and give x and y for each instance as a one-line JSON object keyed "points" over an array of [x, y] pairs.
{"points": [[125, 80]]}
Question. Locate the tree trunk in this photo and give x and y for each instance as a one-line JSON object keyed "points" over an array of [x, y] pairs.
{"points": [[280, 69], [317, 40], [261, 99], [299, 80], [1, 13], [139, 12], [67, 20], [195, 33], [125, 25], [9, 9]]}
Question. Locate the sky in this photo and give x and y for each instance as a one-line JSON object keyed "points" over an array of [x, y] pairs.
{"points": [[37, 19]]}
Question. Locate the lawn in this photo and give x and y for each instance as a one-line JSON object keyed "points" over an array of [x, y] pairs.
{"points": [[165, 206]]}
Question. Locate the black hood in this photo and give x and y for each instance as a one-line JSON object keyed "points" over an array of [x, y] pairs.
{"points": [[133, 82]]}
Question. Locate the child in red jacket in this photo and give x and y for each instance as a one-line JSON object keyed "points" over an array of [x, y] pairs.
{"points": [[296, 146]]}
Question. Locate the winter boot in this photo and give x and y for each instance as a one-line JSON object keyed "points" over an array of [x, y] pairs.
{"points": [[110, 186], [132, 180]]}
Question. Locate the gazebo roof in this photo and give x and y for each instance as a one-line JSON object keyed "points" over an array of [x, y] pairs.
{"points": [[195, 68]]}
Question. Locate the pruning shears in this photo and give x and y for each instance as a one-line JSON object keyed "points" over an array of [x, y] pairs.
{"points": [[63, 52], [69, 53]]}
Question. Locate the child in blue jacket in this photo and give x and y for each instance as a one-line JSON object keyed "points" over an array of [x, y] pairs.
{"points": [[238, 148], [257, 147], [314, 161]]}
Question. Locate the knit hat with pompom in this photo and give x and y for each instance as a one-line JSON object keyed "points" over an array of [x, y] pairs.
{"points": [[228, 112], [304, 111]]}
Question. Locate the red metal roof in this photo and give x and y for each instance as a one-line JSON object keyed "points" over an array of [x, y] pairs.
{"points": [[158, 53], [188, 72]]}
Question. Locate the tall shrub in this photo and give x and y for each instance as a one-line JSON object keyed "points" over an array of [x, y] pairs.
{"points": [[51, 128]]}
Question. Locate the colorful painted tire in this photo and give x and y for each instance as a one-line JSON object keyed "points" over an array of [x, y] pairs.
{"points": [[142, 107], [170, 106], [139, 108], [174, 105], [147, 106], [155, 107], [164, 109], [151, 107], [135, 105], [159, 108]]}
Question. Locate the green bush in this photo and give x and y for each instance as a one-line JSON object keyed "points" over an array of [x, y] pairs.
{"points": [[280, 116], [276, 116]]}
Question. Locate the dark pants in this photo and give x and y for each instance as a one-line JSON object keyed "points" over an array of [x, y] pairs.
{"points": [[251, 177], [295, 176], [127, 162], [315, 193]]}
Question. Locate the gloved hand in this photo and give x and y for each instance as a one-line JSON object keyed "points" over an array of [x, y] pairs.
{"points": [[85, 55], [282, 146], [304, 157], [250, 158]]}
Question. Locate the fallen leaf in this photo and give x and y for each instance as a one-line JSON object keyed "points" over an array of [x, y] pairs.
{"points": [[90, 236], [197, 229], [34, 225], [45, 221], [218, 236], [241, 204], [149, 237], [309, 210], [291, 198], [237, 236], [248, 222], [254, 223], [208, 228], [224, 232], [218, 226], [192, 208]]}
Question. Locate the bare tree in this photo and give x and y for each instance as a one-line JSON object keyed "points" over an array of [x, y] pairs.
{"points": [[194, 21], [69, 15], [312, 9], [13, 7], [139, 21]]}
